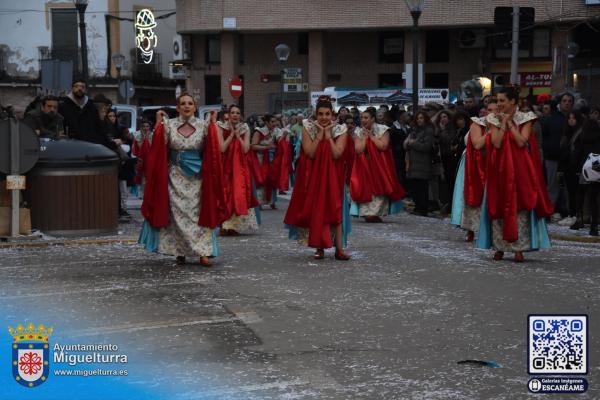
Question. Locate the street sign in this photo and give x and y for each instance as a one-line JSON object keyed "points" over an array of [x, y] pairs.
{"points": [[29, 148], [126, 89], [439, 96], [235, 88], [292, 75]]}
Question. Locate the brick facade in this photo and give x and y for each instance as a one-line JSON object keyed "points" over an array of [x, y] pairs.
{"points": [[343, 41]]}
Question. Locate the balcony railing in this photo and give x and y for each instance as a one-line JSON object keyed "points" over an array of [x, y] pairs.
{"points": [[146, 72]]}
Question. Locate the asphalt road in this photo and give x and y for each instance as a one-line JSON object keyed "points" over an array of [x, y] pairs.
{"points": [[268, 322]]}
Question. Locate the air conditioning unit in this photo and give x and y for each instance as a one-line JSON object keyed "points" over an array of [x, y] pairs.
{"points": [[177, 72], [181, 48], [471, 38]]}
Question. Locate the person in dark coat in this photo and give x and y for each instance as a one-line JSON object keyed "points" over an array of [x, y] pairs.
{"points": [[588, 142], [81, 118], [45, 120], [419, 148], [398, 133]]}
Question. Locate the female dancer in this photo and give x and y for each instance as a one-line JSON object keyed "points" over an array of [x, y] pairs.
{"points": [[470, 179], [374, 189], [183, 200], [263, 147], [517, 198], [317, 214], [234, 137]]}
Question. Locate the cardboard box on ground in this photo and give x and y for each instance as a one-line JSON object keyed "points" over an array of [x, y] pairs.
{"points": [[24, 215]]}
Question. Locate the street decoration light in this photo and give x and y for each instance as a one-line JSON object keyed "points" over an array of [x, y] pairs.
{"points": [[416, 8], [145, 37], [282, 51], [81, 6]]}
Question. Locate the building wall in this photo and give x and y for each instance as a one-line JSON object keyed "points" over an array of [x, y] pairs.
{"points": [[24, 32], [265, 15], [165, 30]]}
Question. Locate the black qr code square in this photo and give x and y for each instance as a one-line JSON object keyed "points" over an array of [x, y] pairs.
{"points": [[557, 344]]}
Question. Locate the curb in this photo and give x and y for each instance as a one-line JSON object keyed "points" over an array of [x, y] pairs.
{"points": [[70, 242], [576, 239]]}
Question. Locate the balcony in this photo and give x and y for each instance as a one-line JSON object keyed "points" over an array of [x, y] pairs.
{"points": [[142, 72]]}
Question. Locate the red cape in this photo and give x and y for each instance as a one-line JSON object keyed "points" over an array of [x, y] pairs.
{"points": [[237, 179], [155, 207], [141, 151], [279, 172], [375, 175], [515, 182], [474, 176], [316, 202]]}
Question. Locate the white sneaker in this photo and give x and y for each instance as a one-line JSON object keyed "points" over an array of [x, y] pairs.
{"points": [[568, 221], [555, 217]]}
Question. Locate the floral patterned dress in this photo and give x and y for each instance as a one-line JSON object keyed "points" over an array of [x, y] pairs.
{"points": [[183, 236], [247, 222]]}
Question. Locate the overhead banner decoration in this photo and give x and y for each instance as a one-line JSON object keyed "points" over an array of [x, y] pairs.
{"points": [[145, 37]]}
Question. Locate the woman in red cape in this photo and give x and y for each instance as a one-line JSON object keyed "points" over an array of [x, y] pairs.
{"points": [[374, 186], [316, 212], [234, 137], [263, 152], [470, 180], [183, 199], [517, 198]]}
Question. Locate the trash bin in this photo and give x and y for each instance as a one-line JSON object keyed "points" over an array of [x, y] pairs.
{"points": [[72, 190]]}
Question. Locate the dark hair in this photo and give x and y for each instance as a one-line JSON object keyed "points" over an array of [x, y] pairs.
{"points": [[46, 99], [578, 116], [185, 94], [234, 106], [371, 111], [511, 93], [268, 117], [424, 114], [460, 115], [220, 114], [78, 80], [439, 114], [324, 102], [340, 110], [348, 116], [560, 96]]}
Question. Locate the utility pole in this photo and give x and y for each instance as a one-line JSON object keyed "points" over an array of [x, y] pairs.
{"points": [[514, 62]]}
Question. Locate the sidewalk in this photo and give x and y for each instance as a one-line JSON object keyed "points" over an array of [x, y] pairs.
{"points": [[127, 233]]}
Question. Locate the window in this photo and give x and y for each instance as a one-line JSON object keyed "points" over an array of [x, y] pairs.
{"points": [[437, 80], [65, 36], [390, 80], [213, 49], [303, 43], [533, 43], [331, 78], [437, 46], [391, 47], [241, 49]]}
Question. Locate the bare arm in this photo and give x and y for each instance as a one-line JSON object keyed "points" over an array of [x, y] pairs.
{"points": [[497, 136], [476, 136], [338, 145], [308, 145], [521, 137], [223, 143], [381, 142], [359, 144], [256, 140]]}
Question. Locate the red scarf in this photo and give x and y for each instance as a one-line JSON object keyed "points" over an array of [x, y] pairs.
{"points": [[515, 182], [316, 202], [279, 172], [237, 179], [155, 207], [474, 175]]}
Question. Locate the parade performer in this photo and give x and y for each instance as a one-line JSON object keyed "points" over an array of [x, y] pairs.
{"points": [[184, 199], [318, 211], [263, 148], [470, 178], [517, 199], [281, 167], [234, 137], [374, 188], [142, 141]]}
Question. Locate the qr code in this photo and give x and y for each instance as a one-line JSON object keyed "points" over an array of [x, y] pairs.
{"points": [[557, 344]]}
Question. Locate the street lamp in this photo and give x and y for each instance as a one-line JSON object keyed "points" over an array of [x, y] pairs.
{"points": [[282, 51], [81, 5], [118, 60], [416, 8]]}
